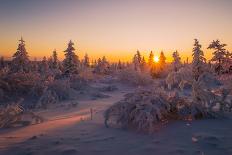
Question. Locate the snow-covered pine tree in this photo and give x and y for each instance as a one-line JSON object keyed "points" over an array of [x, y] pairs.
{"points": [[139, 57], [151, 59], [162, 60], [218, 55], [71, 62], [55, 61], [228, 62], [137, 60], [2, 62], [20, 61], [119, 65], [143, 64], [176, 61], [102, 66], [44, 67], [34, 66], [86, 60], [198, 60]]}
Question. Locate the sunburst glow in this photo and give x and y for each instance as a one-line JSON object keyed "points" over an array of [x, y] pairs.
{"points": [[156, 59]]}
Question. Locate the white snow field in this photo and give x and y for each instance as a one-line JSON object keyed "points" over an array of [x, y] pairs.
{"points": [[70, 131]]}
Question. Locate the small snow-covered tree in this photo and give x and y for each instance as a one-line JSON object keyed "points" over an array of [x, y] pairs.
{"points": [[2, 62], [228, 62], [176, 61], [102, 66], [20, 61], [135, 62], [137, 59], [44, 67], [162, 60], [86, 60], [151, 59], [198, 60], [143, 64], [218, 55], [55, 61], [119, 65], [71, 61]]}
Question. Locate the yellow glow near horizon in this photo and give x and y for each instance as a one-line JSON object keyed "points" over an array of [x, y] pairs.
{"points": [[115, 29], [156, 59]]}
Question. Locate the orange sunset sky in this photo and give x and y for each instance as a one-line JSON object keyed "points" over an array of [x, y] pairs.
{"points": [[114, 28]]}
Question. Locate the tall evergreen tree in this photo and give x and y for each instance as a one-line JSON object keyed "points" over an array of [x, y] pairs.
{"points": [[137, 60], [119, 65], [143, 64], [139, 57], [2, 62], [44, 67], [71, 62], [86, 60], [151, 59], [55, 61], [162, 60], [20, 61], [198, 59], [176, 61], [219, 55]]}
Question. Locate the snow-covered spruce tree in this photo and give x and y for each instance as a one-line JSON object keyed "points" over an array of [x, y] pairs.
{"points": [[44, 67], [143, 64], [2, 62], [102, 66], [162, 60], [151, 59], [228, 62], [86, 60], [119, 65], [137, 60], [218, 55], [55, 61], [176, 61], [20, 61], [71, 62], [198, 60]]}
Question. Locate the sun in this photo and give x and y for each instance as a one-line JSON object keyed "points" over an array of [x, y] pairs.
{"points": [[156, 59]]}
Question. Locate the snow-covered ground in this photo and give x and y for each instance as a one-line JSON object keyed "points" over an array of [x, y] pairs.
{"points": [[69, 131]]}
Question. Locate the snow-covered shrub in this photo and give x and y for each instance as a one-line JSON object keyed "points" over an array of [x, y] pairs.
{"points": [[135, 78], [1, 95], [140, 110], [174, 79], [49, 97], [15, 115], [184, 85], [145, 109], [77, 82], [61, 88], [209, 81], [109, 88], [204, 96], [19, 84], [87, 74]]}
